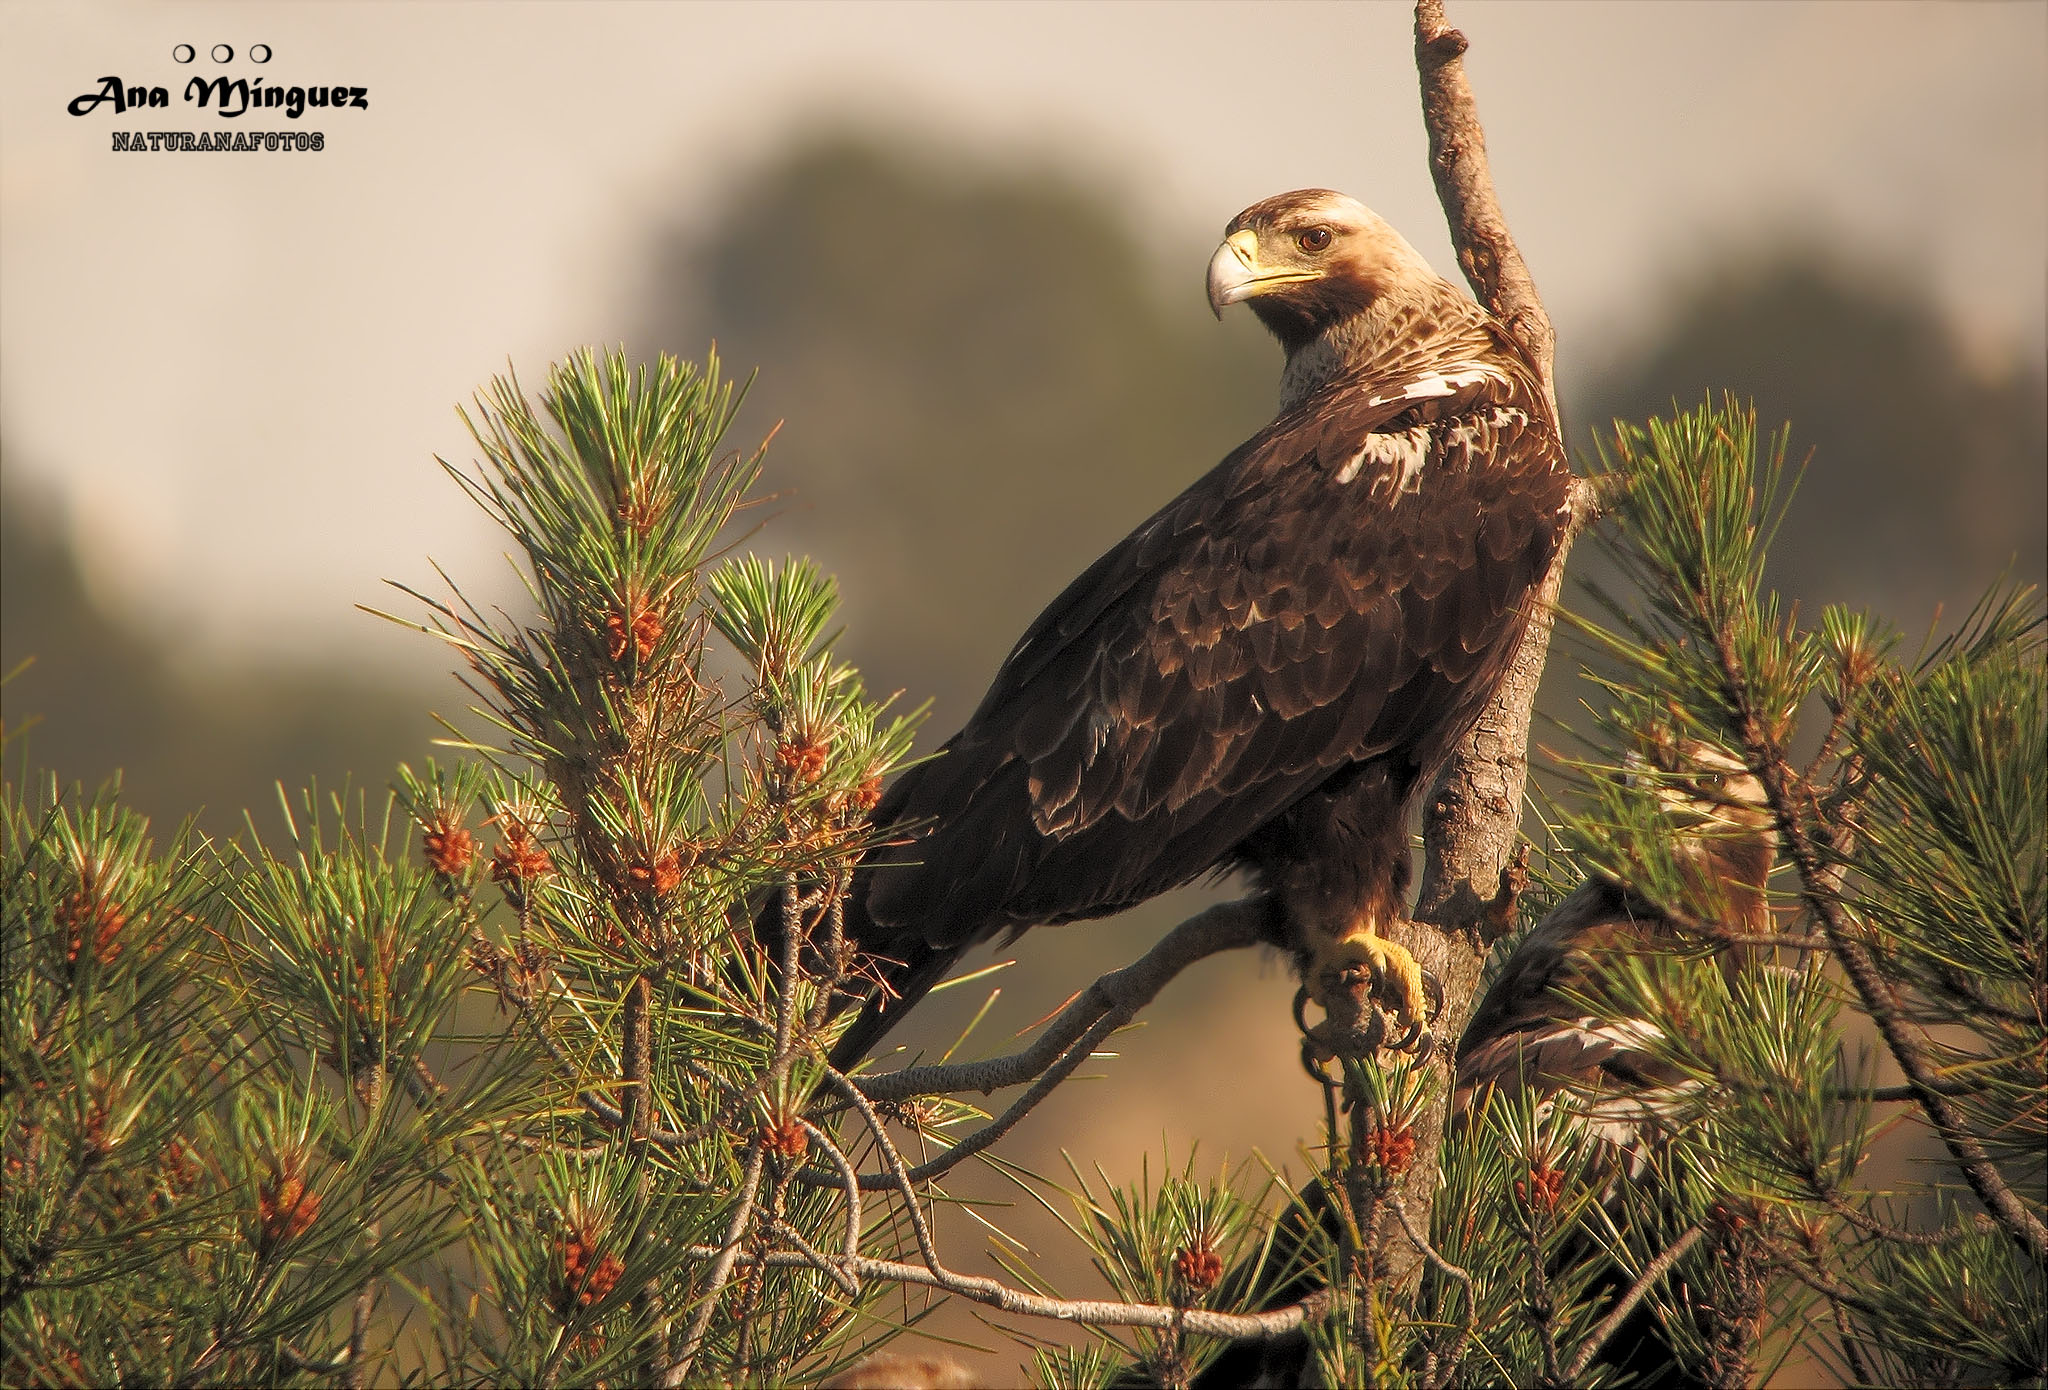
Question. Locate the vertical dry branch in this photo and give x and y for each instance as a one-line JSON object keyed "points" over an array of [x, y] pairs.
{"points": [[1474, 811], [1487, 253]]}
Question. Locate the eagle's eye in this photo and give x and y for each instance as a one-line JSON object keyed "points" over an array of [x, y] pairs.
{"points": [[1313, 240]]}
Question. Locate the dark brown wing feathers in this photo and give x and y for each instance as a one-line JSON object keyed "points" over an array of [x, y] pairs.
{"points": [[1282, 619]]}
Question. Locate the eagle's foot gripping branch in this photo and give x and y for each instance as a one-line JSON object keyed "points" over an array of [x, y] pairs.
{"points": [[1361, 980]]}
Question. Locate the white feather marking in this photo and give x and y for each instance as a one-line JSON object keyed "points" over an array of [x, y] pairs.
{"points": [[1453, 378], [1403, 452]]}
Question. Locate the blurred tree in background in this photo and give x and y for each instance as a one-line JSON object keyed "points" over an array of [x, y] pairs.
{"points": [[102, 697], [988, 375], [1930, 470]]}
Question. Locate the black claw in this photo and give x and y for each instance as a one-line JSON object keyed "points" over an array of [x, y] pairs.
{"points": [[1415, 1030], [1313, 1065], [1425, 1046], [1433, 996]]}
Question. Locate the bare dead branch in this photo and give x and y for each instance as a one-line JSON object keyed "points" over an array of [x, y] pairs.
{"points": [[1223, 927], [1472, 815], [997, 1295], [1107, 1005], [1464, 185], [1091, 1312]]}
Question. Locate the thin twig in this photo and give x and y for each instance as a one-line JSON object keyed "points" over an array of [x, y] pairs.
{"points": [[833, 1270], [299, 1361], [1871, 1226], [1637, 1291], [1466, 1325], [849, 1183], [1891, 1095], [898, 1175], [678, 1371]]}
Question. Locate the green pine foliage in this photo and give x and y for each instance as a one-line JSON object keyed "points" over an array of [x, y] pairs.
{"points": [[491, 1080]]}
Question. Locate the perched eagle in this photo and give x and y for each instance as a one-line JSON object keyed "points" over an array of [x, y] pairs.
{"points": [[1528, 1032], [1260, 676]]}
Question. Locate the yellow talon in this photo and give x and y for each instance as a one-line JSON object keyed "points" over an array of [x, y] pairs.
{"points": [[1361, 957]]}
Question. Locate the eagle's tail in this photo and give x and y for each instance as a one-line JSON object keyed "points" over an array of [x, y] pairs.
{"points": [[904, 982], [903, 971]]}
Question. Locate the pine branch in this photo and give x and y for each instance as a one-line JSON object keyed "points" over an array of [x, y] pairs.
{"points": [[1873, 990], [1617, 1315]]}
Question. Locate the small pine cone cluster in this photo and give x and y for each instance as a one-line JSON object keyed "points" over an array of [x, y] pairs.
{"points": [[802, 760], [88, 916], [588, 1274], [660, 876], [519, 858], [1197, 1267], [634, 628], [1392, 1147], [449, 849], [285, 1206], [785, 1139], [1542, 1190]]}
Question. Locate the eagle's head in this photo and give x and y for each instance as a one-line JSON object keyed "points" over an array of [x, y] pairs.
{"points": [[1309, 261], [1723, 829]]}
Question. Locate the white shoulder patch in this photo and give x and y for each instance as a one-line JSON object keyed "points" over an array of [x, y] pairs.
{"points": [[1447, 381]]}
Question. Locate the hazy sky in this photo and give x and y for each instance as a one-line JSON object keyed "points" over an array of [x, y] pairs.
{"points": [[234, 367]]}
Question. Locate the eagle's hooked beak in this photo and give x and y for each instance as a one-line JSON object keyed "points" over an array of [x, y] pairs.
{"points": [[1235, 272]]}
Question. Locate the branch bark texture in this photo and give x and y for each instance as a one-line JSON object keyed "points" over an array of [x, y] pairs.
{"points": [[1473, 813]]}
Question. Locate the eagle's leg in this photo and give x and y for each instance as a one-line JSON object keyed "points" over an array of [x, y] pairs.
{"points": [[1343, 888]]}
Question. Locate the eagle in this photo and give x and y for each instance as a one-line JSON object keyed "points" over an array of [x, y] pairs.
{"points": [[1261, 675], [1529, 1032]]}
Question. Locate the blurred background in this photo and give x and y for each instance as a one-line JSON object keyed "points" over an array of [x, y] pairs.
{"points": [[964, 248]]}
